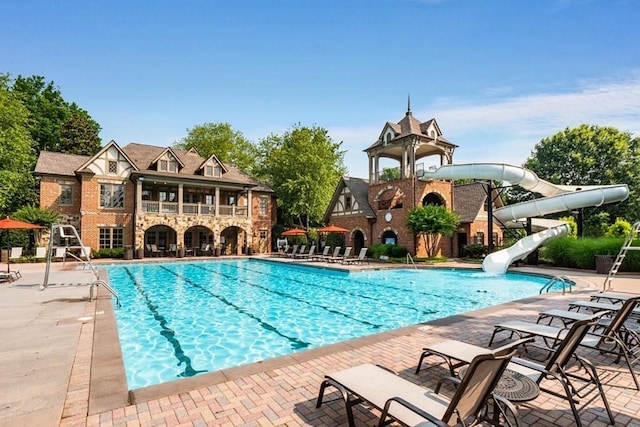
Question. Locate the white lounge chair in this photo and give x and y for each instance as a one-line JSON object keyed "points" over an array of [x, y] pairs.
{"points": [[347, 254], [362, 257], [15, 255], [41, 253]]}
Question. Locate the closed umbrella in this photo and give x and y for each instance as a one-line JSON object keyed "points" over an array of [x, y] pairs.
{"points": [[13, 224]]}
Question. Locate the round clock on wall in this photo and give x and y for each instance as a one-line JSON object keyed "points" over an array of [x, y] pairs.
{"points": [[388, 217]]}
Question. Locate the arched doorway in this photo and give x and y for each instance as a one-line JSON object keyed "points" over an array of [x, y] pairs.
{"points": [[196, 238], [162, 236], [389, 237], [358, 240], [232, 241]]}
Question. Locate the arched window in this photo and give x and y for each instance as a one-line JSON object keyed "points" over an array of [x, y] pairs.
{"points": [[433, 199]]}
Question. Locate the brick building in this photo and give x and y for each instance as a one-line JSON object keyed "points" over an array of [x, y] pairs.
{"points": [[375, 209], [141, 195]]}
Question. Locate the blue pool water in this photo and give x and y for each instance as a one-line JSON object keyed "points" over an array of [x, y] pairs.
{"points": [[183, 318]]}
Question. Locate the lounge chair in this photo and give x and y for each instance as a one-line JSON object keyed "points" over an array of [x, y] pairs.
{"points": [[294, 250], [41, 253], [362, 257], [616, 339], [319, 257], [413, 405], [294, 254], [611, 297], [575, 386], [60, 253], [307, 255], [336, 251], [15, 255], [173, 249], [347, 254], [85, 253], [598, 306]]}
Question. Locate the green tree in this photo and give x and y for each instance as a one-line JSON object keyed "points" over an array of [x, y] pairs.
{"points": [[304, 166], [431, 222], [49, 112], [229, 145], [390, 174], [79, 134], [16, 156], [591, 155]]}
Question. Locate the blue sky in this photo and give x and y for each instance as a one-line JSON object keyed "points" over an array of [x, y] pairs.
{"points": [[497, 75]]}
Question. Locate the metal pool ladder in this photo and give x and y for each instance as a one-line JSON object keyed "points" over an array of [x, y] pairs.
{"points": [[626, 246], [70, 232], [558, 279], [410, 258]]}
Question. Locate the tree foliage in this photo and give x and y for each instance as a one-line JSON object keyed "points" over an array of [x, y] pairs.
{"points": [[304, 166], [390, 174], [16, 156], [431, 222], [229, 145], [589, 155], [79, 134], [55, 124]]}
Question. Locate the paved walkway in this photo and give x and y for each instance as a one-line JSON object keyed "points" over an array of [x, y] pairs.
{"points": [[50, 380]]}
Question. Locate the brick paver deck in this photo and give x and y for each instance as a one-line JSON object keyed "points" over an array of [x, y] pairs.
{"points": [[283, 391]]}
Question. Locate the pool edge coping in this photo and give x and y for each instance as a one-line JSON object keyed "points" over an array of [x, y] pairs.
{"points": [[109, 389]]}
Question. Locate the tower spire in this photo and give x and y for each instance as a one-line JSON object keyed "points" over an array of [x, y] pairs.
{"points": [[408, 104]]}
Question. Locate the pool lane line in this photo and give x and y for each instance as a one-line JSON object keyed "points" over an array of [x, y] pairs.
{"points": [[296, 343], [167, 333], [395, 288], [295, 298], [350, 293]]}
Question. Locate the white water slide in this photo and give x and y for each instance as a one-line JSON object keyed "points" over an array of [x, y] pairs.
{"points": [[557, 198]]}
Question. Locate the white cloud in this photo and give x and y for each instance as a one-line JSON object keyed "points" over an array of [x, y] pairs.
{"points": [[506, 130]]}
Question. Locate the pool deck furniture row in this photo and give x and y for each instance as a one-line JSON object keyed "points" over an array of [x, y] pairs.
{"points": [[47, 384]]}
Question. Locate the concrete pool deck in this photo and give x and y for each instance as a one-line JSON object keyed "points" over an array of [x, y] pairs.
{"points": [[62, 364]]}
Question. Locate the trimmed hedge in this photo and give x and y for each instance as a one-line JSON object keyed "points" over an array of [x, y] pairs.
{"points": [[581, 253], [108, 253]]}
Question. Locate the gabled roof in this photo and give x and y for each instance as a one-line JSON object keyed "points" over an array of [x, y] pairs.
{"points": [[168, 150], [141, 157], [409, 125], [359, 189], [111, 143], [52, 163], [469, 199], [216, 160]]}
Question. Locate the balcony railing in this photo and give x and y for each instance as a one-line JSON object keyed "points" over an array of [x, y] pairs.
{"points": [[192, 209]]}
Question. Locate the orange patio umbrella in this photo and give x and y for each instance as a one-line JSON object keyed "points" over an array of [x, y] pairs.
{"points": [[332, 229], [294, 232], [13, 224]]}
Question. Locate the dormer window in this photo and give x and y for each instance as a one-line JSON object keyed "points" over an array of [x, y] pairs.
{"points": [[213, 171], [208, 170], [164, 165], [167, 166]]}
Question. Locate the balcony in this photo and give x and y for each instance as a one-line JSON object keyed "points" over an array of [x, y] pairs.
{"points": [[172, 208]]}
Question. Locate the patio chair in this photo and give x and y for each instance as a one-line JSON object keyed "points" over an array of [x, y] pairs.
{"points": [[336, 251], [173, 249], [294, 250], [154, 251], [616, 339], [85, 253], [307, 255], [41, 253], [362, 257], [575, 387], [325, 253], [347, 254], [60, 253], [414, 405], [15, 255], [294, 254]]}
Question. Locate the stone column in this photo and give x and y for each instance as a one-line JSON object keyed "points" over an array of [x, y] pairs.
{"points": [[180, 192], [217, 201]]}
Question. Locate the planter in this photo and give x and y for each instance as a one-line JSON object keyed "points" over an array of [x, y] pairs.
{"points": [[604, 263], [182, 252], [128, 254], [216, 252], [249, 250], [139, 253]]}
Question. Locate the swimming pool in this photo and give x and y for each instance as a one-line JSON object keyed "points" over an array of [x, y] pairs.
{"points": [[183, 318]]}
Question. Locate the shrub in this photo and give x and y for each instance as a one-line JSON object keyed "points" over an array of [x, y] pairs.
{"points": [[475, 250], [379, 249], [108, 253], [620, 228], [398, 251], [581, 253]]}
